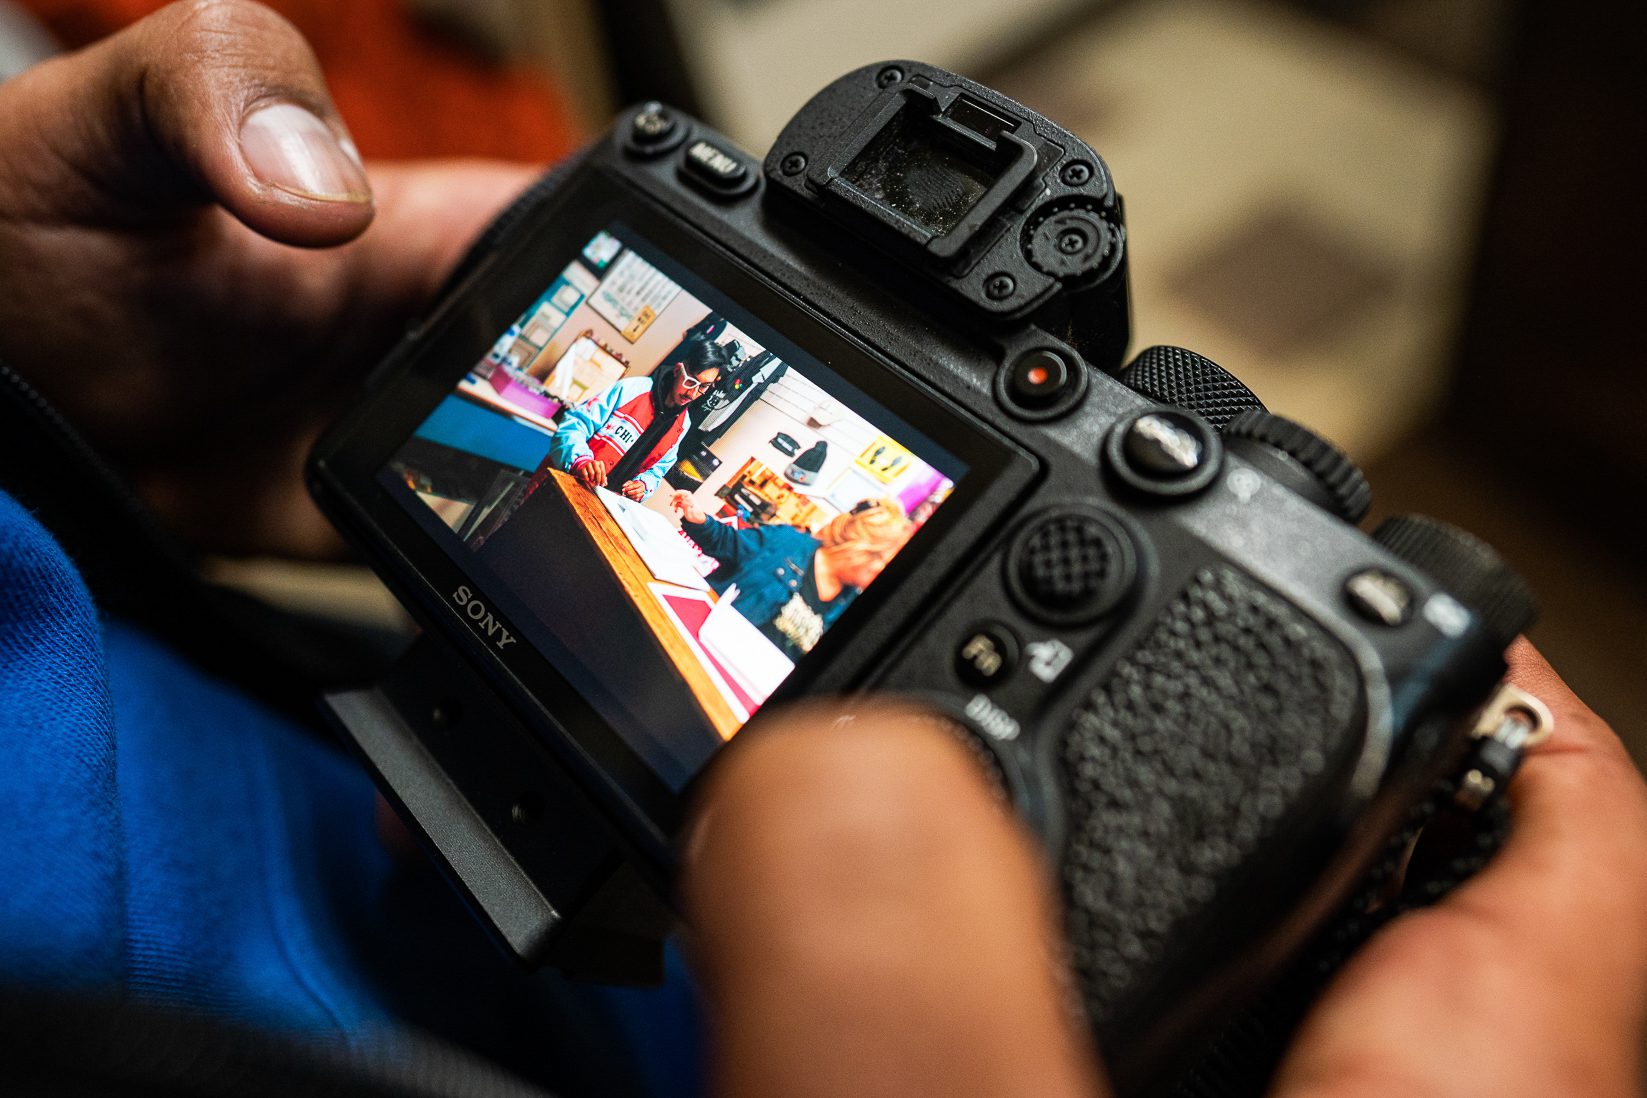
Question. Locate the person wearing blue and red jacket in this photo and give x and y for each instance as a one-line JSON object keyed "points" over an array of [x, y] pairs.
{"points": [[629, 435]]}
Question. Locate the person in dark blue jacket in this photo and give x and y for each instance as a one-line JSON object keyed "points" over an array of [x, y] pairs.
{"points": [[793, 584]]}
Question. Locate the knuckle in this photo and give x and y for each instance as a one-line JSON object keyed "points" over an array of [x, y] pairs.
{"points": [[203, 36], [223, 19], [1608, 800]]}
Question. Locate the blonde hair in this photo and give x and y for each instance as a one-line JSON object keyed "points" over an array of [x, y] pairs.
{"points": [[876, 528]]}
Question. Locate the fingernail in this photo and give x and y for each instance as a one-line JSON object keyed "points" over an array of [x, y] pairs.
{"points": [[290, 148]]}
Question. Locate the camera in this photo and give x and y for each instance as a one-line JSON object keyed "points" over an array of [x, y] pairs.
{"points": [[690, 435]]}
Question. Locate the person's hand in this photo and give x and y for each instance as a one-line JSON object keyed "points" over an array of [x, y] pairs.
{"points": [[593, 473], [160, 193], [867, 918], [868, 921], [687, 507], [635, 490], [1531, 979]]}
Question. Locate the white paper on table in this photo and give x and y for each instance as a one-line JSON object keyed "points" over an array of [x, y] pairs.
{"points": [[746, 653], [655, 540]]}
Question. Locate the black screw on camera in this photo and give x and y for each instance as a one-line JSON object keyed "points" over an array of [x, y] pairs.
{"points": [[793, 164], [1077, 174], [1071, 241], [888, 76], [1000, 286]]}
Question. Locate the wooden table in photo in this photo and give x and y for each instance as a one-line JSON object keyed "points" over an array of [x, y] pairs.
{"points": [[566, 494]]}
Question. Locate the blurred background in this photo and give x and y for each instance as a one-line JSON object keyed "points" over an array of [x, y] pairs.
{"points": [[1416, 225]]}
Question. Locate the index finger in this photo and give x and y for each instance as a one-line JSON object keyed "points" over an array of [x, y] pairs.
{"points": [[1581, 775], [1577, 854]]}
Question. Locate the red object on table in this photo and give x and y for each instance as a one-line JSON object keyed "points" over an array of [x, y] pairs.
{"points": [[693, 612]]}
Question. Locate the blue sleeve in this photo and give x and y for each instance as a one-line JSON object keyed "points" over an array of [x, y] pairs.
{"points": [[578, 425], [725, 543]]}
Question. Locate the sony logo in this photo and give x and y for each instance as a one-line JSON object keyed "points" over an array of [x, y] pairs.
{"points": [[483, 618]]}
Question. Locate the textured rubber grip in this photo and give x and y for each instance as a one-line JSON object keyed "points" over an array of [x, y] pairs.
{"points": [[1181, 767]]}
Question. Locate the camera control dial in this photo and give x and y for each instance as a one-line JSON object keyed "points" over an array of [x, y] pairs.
{"points": [[1302, 460], [1467, 567], [1190, 381], [1069, 239]]}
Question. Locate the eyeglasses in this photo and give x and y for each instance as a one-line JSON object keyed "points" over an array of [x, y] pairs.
{"points": [[690, 383]]}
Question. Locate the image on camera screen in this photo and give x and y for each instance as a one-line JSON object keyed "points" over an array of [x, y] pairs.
{"points": [[671, 501]]}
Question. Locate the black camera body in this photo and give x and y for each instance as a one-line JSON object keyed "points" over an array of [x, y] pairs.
{"points": [[1139, 597]]}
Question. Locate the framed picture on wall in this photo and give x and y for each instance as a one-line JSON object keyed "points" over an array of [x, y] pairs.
{"points": [[632, 295], [884, 460]]}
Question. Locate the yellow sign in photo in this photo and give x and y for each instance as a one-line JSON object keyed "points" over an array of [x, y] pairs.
{"points": [[884, 459]]}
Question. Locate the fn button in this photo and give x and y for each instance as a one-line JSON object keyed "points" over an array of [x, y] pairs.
{"points": [[987, 656]]}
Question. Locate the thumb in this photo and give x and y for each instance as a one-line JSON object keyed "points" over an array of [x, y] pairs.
{"points": [[207, 101], [868, 918]]}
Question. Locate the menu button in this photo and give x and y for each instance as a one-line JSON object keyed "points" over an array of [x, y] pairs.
{"points": [[716, 170]]}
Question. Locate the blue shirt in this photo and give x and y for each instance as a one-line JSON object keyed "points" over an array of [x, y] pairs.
{"points": [[772, 568], [168, 838]]}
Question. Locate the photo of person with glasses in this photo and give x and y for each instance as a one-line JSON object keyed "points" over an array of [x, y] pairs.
{"points": [[627, 437]]}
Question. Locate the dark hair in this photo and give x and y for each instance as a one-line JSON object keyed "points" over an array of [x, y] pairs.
{"points": [[700, 356]]}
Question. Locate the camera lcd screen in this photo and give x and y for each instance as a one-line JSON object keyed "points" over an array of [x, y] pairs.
{"points": [[671, 501]]}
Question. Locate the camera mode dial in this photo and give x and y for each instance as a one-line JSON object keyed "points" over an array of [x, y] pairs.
{"points": [[1467, 567], [1302, 460]]}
